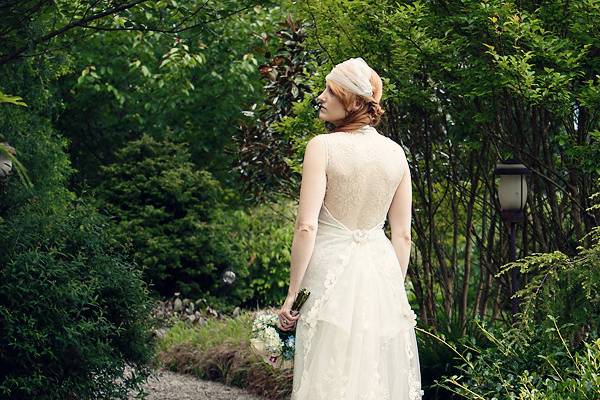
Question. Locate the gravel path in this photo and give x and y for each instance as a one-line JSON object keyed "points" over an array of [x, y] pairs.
{"points": [[167, 385]]}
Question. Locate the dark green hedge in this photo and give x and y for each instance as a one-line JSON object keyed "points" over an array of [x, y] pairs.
{"points": [[73, 312]]}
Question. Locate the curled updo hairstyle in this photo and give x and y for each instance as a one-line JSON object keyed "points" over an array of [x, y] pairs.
{"points": [[369, 110]]}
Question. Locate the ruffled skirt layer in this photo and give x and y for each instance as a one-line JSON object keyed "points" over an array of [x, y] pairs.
{"points": [[355, 338]]}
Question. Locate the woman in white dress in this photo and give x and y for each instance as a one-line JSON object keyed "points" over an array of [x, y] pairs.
{"points": [[355, 337]]}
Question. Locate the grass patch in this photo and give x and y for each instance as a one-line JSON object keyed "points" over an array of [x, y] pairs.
{"points": [[220, 351], [234, 331]]}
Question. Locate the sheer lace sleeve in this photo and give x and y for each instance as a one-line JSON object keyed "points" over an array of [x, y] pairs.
{"points": [[312, 192]]}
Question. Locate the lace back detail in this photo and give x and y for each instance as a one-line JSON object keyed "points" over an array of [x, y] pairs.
{"points": [[363, 170]]}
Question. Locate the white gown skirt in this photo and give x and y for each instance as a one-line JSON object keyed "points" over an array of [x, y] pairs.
{"points": [[355, 338]]}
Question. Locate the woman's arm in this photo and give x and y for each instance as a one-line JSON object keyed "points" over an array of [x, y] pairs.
{"points": [[399, 216], [312, 193]]}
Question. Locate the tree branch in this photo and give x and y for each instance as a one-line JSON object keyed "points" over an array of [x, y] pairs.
{"points": [[84, 23], [25, 15], [170, 31], [78, 23]]}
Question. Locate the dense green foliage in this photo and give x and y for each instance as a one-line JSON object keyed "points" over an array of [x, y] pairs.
{"points": [[264, 163], [71, 308], [529, 364], [553, 352], [165, 206], [183, 229], [186, 87], [74, 312], [264, 235]]}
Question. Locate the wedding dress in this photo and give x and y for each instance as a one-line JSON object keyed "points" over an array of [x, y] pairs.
{"points": [[355, 338]]}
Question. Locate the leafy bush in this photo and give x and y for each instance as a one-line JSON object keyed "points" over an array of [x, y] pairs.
{"points": [[265, 151], [529, 363], [185, 229], [74, 312], [163, 207], [263, 236], [537, 358]]}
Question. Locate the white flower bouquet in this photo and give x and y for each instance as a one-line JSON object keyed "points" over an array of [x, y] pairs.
{"points": [[274, 346]]}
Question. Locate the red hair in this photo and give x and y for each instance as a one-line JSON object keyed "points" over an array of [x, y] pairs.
{"points": [[369, 110]]}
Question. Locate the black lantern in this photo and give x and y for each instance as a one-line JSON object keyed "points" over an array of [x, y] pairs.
{"points": [[512, 194], [512, 189]]}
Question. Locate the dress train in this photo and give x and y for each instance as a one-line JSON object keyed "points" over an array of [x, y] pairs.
{"points": [[355, 338]]}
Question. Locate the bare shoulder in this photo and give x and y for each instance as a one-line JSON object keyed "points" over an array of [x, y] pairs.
{"points": [[316, 142], [316, 148], [319, 138]]}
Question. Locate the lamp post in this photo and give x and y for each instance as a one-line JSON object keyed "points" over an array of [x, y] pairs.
{"points": [[512, 194]]}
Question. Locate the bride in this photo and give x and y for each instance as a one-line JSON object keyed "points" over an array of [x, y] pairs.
{"points": [[355, 337]]}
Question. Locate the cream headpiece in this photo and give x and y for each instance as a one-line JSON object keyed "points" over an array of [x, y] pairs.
{"points": [[353, 74]]}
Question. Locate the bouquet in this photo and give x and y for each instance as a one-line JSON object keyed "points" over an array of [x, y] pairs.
{"points": [[274, 346]]}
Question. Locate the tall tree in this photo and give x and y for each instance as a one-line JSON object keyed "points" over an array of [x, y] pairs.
{"points": [[466, 85]]}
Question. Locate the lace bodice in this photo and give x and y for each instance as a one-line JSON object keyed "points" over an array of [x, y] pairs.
{"points": [[363, 171]]}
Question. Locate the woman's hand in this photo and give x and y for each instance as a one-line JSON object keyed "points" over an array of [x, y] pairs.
{"points": [[287, 320]]}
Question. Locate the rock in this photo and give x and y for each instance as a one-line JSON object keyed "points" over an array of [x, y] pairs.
{"points": [[200, 302], [191, 318], [236, 312], [186, 302], [178, 305], [160, 333], [212, 311]]}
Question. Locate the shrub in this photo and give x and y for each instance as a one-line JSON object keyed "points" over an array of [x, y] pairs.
{"points": [[74, 312], [263, 237], [186, 230], [163, 208], [536, 358], [532, 364]]}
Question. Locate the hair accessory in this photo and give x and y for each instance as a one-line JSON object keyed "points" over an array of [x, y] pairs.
{"points": [[353, 74]]}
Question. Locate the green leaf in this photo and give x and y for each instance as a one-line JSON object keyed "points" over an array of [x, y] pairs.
{"points": [[16, 100]]}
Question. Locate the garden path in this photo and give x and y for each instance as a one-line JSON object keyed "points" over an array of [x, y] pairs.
{"points": [[167, 385]]}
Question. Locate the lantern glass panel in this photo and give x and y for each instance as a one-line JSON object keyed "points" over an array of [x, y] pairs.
{"points": [[509, 192]]}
